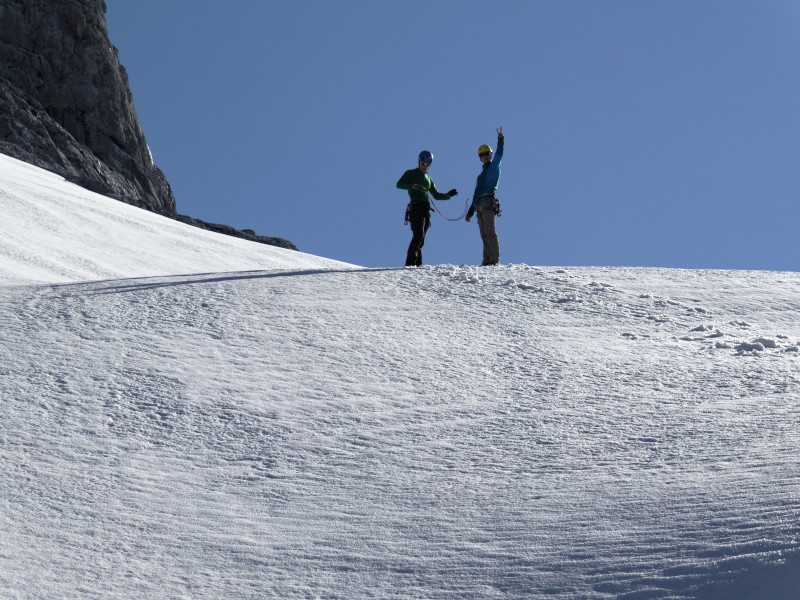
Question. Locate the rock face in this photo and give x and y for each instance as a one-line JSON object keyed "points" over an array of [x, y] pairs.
{"points": [[66, 103], [66, 106]]}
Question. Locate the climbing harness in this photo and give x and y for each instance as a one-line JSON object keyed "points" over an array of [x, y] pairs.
{"points": [[494, 203]]}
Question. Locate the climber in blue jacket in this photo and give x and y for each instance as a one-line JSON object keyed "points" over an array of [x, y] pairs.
{"points": [[485, 202]]}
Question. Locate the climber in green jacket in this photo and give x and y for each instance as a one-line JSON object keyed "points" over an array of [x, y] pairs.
{"points": [[419, 184]]}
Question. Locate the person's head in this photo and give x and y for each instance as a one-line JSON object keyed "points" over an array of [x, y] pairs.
{"points": [[485, 154], [425, 160]]}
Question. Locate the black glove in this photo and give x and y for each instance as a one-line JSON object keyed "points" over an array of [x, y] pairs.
{"points": [[418, 188], [453, 192]]}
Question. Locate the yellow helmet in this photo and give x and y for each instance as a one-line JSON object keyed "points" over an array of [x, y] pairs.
{"points": [[483, 149]]}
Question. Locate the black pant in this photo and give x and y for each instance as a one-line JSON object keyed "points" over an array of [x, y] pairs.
{"points": [[420, 220]]}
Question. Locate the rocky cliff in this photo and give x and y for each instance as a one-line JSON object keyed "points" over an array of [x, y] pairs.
{"points": [[66, 106]]}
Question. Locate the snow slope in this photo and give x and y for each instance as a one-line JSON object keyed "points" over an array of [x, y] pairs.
{"points": [[318, 430], [53, 231]]}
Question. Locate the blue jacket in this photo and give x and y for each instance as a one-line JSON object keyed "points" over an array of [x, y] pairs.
{"points": [[489, 177]]}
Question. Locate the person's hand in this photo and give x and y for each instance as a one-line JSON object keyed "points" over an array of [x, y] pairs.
{"points": [[453, 192], [500, 135], [418, 188], [468, 219]]}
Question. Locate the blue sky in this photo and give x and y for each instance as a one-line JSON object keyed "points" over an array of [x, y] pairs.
{"points": [[637, 133]]}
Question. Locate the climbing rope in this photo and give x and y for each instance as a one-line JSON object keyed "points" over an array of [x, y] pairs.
{"points": [[463, 214], [430, 199]]}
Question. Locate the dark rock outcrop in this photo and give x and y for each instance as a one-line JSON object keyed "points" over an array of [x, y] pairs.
{"points": [[245, 234], [66, 103], [66, 106]]}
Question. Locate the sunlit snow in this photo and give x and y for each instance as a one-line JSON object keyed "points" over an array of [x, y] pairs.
{"points": [[187, 415]]}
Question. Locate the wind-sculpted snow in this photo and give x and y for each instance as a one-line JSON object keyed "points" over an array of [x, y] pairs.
{"points": [[443, 432]]}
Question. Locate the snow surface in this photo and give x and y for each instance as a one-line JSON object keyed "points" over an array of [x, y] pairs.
{"points": [[186, 415], [56, 232]]}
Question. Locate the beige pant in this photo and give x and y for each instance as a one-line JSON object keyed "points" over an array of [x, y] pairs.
{"points": [[491, 245]]}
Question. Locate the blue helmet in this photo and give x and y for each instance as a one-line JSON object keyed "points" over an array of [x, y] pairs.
{"points": [[425, 157]]}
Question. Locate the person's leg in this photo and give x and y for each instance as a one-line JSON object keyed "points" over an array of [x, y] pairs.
{"points": [[490, 243], [425, 226], [419, 221], [484, 227]]}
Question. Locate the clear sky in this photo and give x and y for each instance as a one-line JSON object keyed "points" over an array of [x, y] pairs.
{"points": [[638, 133]]}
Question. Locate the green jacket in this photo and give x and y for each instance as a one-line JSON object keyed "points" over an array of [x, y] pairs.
{"points": [[415, 176]]}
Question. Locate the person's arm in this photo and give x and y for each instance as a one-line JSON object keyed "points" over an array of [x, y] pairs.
{"points": [[405, 183], [500, 144], [473, 207], [493, 172], [470, 212], [437, 195], [415, 190]]}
